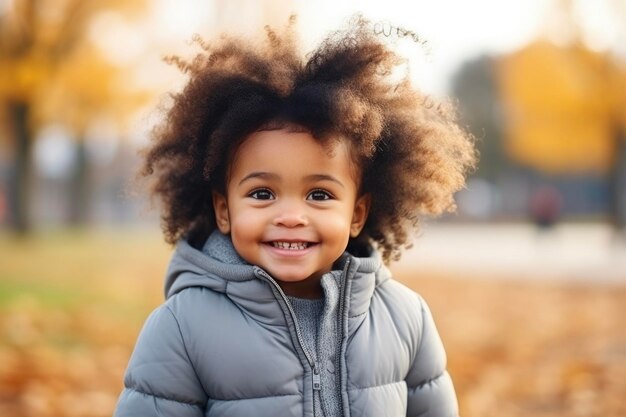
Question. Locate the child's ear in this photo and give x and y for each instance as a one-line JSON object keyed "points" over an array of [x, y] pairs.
{"points": [[220, 206], [361, 210]]}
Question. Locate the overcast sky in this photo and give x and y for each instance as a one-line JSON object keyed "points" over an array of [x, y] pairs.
{"points": [[456, 30]]}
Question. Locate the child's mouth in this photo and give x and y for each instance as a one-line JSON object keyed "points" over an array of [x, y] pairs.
{"points": [[291, 245]]}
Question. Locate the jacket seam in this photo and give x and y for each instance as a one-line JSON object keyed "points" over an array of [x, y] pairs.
{"points": [[418, 386], [375, 386], [358, 315], [182, 340], [199, 405], [427, 381], [257, 398]]}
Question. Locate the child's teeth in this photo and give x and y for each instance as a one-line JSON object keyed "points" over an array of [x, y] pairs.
{"points": [[291, 245]]}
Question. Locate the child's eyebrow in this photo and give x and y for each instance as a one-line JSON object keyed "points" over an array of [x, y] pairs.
{"points": [[274, 177], [323, 177], [262, 175]]}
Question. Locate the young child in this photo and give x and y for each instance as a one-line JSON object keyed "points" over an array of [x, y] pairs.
{"points": [[287, 185]]}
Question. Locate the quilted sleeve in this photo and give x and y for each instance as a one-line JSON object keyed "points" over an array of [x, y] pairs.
{"points": [[430, 389], [160, 380]]}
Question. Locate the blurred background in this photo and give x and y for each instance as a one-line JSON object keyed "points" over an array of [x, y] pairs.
{"points": [[527, 280]]}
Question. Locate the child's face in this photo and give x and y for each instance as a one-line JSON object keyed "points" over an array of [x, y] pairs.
{"points": [[291, 205]]}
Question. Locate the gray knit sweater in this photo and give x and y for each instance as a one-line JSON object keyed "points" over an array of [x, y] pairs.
{"points": [[317, 320]]}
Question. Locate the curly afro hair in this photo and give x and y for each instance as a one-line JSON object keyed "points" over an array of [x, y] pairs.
{"points": [[412, 154]]}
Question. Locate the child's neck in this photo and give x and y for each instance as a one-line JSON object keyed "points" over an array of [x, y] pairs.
{"points": [[308, 288]]}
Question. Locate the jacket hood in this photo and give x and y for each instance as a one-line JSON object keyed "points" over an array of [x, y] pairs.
{"points": [[211, 267]]}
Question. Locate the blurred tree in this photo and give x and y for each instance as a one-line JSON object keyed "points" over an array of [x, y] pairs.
{"points": [[474, 85], [75, 100], [618, 164], [565, 105], [45, 52], [560, 107]]}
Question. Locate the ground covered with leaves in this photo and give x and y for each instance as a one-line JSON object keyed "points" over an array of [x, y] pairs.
{"points": [[71, 305]]}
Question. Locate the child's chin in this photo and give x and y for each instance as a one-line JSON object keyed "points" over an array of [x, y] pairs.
{"points": [[287, 277], [291, 275]]}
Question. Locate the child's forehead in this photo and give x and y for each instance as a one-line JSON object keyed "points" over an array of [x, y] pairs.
{"points": [[277, 139], [272, 142]]}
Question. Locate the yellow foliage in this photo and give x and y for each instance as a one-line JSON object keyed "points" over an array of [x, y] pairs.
{"points": [[84, 87], [561, 107], [20, 78], [49, 64], [618, 81]]}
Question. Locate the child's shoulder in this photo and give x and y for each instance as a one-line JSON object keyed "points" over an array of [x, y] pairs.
{"points": [[402, 302], [400, 294], [388, 288], [193, 301], [403, 313]]}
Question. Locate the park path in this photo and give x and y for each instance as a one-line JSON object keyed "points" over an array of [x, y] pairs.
{"points": [[588, 252]]}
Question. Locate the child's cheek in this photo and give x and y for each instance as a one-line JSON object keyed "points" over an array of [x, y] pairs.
{"points": [[336, 228], [247, 227]]}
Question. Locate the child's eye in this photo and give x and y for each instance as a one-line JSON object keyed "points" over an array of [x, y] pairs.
{"points": [[319, 195], [261, 194]]}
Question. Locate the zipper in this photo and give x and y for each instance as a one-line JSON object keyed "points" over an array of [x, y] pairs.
{"points": [[317, 380], [342, 330]]}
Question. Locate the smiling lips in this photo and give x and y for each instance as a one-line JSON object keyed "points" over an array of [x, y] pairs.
{"points": [[291, 245]]}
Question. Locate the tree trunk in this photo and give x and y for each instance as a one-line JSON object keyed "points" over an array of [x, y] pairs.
{"points": [[20, 179], [79, 187], [617, 183]]}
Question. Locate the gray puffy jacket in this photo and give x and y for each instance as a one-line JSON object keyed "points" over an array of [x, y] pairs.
{"points": [[225, 344]]}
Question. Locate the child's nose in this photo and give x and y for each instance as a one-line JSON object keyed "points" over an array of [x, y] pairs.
{"points": [[291, 214]]}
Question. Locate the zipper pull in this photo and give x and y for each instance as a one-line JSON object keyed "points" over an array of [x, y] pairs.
{"points": [[317, 380]]}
